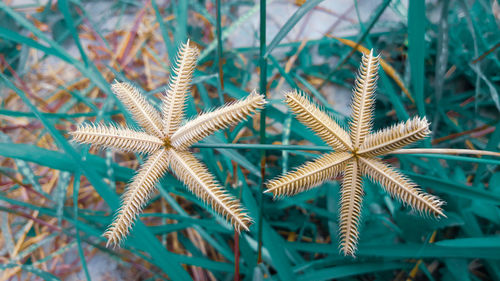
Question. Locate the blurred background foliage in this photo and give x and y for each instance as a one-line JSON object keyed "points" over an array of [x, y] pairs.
{"points": [[56, 198]]}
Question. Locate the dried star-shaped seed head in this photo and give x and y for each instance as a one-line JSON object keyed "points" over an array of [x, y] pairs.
{"points": [[355, 156], [167, 142]]}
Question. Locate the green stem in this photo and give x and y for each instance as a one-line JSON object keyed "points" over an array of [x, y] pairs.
{"points": [[218, 29], [443, 153], [262, 132], [261, 146]]}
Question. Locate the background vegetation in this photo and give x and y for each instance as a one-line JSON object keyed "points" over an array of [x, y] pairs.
{"points": [[56, 197]]}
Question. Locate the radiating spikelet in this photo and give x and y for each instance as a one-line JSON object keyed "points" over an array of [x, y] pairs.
{"points": [[400, 187], [395, 137], [115, 137], [142, 111], [350, 208], [135, 197], [200, 182], [180, 81], [363, 99], [320, 122], [210, 122], [309, 175]]}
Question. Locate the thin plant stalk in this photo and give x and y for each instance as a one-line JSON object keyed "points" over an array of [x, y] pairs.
{"points": [[236, 256], [236, 234], [218, 29], [262, 132], [446, 151], [451, 151]]}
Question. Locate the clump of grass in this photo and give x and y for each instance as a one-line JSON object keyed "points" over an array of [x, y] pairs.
{"points": [[58, 198]]}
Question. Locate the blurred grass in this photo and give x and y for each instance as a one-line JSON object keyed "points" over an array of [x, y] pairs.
{"points": [[58, 59]]}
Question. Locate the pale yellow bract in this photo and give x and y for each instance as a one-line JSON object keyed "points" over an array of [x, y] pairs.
{"points": [[168, 142], [355, 156]]}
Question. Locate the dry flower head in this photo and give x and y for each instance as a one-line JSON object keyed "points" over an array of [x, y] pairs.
{"points": [[167, 143], [356, 155]]}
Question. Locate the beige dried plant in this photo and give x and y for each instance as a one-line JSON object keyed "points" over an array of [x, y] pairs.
{"points": [[168, 142], [356, 155]]}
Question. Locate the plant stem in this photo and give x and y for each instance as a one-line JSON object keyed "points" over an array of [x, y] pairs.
{"points": [[236, 256], [236, 234], [262, 146], [445, 151], [262, 132], [451, 151], [218, 29]]}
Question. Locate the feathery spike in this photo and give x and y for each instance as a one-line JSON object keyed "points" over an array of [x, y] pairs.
{"points": [[115, 137], [363, 99], [142, 111], [137, 194], [350, 208], [174, 100], [201, 183], [400, 187], [320, 122], [309, 175], [210, 122], [395, 137]]}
